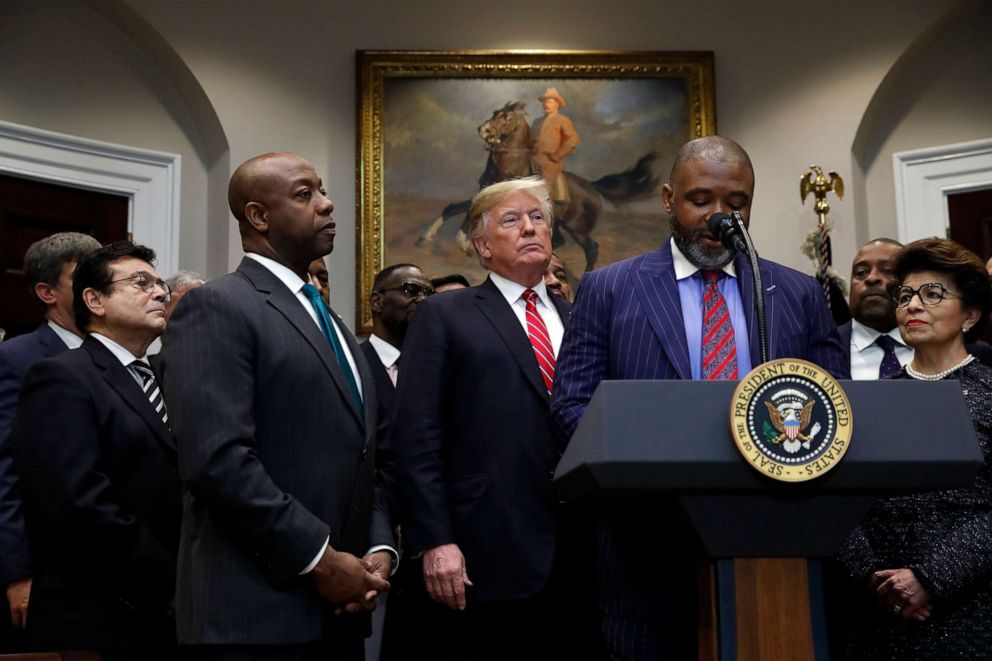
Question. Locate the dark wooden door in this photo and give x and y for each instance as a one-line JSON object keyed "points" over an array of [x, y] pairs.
{"points": [[971, 220], [31, 210]]}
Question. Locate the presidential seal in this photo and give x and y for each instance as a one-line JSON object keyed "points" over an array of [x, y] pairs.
{"points": [[790, 420]]}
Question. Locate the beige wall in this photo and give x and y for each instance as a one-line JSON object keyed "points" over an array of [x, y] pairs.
{"points": [[793, 86]]}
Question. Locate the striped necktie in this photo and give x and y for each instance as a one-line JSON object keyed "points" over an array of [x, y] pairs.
{"points": [[537, 332], [719, 347], [151, 389]]}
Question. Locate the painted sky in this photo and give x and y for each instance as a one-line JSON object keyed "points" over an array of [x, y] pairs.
{"points": [[430, 126]]}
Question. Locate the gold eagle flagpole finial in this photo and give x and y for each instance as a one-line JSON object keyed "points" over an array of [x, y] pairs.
{"points": [[817, 245]]}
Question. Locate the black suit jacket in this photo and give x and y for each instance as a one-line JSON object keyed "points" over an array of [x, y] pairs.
{"points": [[275, 456], [473, 443], [17, 355], [101, 497], [844, 330]]}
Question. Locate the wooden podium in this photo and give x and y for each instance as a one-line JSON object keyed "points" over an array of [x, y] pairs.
{"points": [[760, 599]]}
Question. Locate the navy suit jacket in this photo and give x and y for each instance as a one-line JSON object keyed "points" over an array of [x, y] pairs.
{"points": [[627, 324], [16, 356], [276, 457], [844, 331], [473, 442], [101, 498]]}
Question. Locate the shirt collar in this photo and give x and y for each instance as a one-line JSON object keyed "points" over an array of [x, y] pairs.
{"points": [[71, 340], [686, 269], [285, 274], [120, 353], [863, 336], [512, 291], [388, 354]]}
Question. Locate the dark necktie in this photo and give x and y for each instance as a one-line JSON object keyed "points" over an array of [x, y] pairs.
{"points": [[719, 355], [327, 328], [890, 364], [150, 386], [537, 332]]}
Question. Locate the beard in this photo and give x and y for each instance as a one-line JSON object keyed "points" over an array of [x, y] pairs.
{"points": [[707, 259]]}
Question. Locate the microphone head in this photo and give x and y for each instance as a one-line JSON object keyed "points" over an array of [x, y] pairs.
{"points": [[718, 224]]}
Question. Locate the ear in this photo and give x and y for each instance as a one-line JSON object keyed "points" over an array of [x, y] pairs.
{"points": [[482, 247], [667, 196], [972, 318], [375, 301], [45, 292], [94, 301], [255, 215]]}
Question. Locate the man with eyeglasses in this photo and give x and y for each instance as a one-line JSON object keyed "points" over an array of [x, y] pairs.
{"points": [[473, 445], [396, 292], [872, 338], [97, 463]]}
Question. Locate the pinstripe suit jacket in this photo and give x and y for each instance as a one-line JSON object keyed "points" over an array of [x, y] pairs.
{"points": [[627, 324], [275, 458]]}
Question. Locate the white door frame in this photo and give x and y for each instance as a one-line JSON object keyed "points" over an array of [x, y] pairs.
{"points": [[149, 179], [925, 177]]}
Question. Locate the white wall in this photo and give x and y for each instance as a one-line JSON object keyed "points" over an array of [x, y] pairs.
{"points": [[793, 83]]}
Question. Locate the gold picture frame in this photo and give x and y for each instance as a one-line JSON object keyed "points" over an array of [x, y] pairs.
{"points": [[420, 143]]}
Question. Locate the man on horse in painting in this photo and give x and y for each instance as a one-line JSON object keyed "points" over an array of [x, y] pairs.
{"points": [[556, 139]]}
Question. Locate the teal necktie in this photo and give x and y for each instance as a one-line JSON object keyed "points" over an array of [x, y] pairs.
{"points": [[327, 327]]}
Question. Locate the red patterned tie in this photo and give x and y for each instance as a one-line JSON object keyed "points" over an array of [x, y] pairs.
{"points": [[539, 339], [719, 347]]}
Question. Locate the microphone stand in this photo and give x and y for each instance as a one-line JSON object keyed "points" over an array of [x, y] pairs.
{"points": [[759, 290]]}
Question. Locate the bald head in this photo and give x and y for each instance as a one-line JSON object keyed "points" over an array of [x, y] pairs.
{"points": [[709, 149], [254, 179]]}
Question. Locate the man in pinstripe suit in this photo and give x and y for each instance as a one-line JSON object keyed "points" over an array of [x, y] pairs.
{"points": [[642, 318], [274, 410]]}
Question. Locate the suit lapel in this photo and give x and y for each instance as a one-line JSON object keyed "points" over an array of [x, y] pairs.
{"points": [[51, 344], [368, 383], [746, 282], [658, 293], [285, 302], [119, 378], [495, 308]]}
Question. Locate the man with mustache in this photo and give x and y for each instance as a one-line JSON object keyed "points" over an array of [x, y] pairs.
{"points": [[872, 337], [97, 466], [683, 311]]}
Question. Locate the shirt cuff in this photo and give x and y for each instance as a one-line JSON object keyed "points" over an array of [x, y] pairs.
{"points": [[313, 563], [391, 551]]}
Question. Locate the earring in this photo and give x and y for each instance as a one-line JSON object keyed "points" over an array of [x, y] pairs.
{"points": [[965, 328]]}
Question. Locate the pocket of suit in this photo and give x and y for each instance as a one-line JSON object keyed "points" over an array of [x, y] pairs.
{"points": [[467, 488]]}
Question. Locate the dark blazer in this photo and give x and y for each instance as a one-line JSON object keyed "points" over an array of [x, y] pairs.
{"points": [[384, 389], [16, 356], [473, 444], [844, 331], [101, 493], [627, 324], [275, 458]]}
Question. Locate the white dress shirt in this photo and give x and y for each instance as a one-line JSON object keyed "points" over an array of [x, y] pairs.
{"points": [[866, 356], [512, 292], [388, 355], [123, 355], [71, 340]]}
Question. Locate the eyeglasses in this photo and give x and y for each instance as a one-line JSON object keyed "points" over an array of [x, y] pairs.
{"points": [[148, 282], [412, 289], [930, 293]]}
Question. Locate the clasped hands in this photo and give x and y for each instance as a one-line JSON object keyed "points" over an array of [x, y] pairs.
{"points": [[350, 583], [900, 593]]}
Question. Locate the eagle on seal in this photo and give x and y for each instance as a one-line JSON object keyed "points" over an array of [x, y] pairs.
{"points": [[791, 421]]}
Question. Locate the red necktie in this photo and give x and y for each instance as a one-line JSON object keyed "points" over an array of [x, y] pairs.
{"points": [[719, 347], [539, 339]]}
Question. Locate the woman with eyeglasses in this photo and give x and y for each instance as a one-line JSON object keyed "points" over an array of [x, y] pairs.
{"points": [[924, 561]]}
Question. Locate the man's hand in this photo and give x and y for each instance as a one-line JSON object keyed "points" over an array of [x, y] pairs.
{"points": [[445, 575], [343, 580], [901, 594], [18, 595], [379, 564]]}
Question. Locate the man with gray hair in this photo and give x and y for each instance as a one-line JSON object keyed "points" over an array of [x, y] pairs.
{"points": [[48, 265], [181, 283], [475, 472]]}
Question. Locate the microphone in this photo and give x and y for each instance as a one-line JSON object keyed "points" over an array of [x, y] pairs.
{"points": [[729, 230]]}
